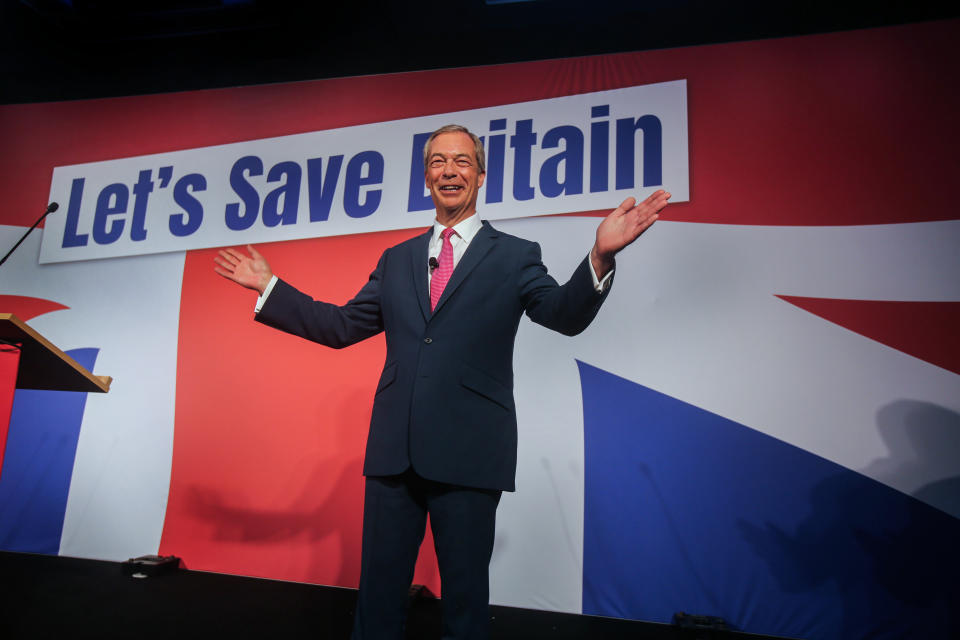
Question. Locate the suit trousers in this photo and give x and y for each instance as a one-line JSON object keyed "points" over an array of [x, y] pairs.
{"points": [[463, 521]]}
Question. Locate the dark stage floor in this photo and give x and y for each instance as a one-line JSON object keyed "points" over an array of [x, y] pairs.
{"points": [[55, 597]]}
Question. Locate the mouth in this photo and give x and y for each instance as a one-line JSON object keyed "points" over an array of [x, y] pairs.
{"points": [[451, 188]]}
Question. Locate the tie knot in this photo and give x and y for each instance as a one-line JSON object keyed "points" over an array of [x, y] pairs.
{"points": [[446, 233]]}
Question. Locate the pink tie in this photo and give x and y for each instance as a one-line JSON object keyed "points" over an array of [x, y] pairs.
{"points": [[444, 269]]}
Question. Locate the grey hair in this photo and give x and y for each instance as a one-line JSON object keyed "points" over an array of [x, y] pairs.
{"points": [[456, 128]]}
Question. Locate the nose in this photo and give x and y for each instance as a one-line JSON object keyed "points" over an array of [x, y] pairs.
{"points": [[449, 169]]}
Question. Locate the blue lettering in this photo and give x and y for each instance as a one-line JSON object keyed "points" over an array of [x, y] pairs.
{"points": [[599, 149], [417, 198], [320, 187], [70, 236], [141, 192], [251, 199], [523, 140], [652, 151], [496, 146], [571, 157], [372, 161], [183, 224], [289, 192], [111, 201]]}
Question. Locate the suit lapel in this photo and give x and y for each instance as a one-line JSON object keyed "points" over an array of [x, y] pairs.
{"points": [[479, 247], [418, 266]]}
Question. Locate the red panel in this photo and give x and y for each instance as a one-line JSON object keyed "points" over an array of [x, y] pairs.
{"points": [[925, 330], [9, 359], [270, 429], [844, 128]]}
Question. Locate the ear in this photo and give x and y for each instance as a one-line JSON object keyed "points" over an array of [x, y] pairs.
{"points": [[480, 179]]}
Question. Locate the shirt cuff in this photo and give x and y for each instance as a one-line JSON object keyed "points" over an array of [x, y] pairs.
{"points": [[273, 280], [598, 284]]}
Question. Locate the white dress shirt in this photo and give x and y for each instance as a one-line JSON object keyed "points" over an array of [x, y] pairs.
{"points": [[464, 232]]}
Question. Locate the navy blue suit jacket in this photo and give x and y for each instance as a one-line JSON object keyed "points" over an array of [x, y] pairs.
{"points": [[444, 404]]}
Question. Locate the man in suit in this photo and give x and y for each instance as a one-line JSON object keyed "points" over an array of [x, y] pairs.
{"points": [[443, 433]]}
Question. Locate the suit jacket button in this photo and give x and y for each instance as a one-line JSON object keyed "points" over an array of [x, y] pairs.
{"points": [[428, 340]]}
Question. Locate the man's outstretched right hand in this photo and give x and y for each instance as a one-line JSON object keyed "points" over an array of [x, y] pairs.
{"points": [[252, 272]]}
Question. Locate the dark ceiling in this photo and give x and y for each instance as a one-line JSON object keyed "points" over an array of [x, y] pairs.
{"points": [[66, 49]]}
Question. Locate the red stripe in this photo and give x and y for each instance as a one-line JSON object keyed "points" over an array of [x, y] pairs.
{"points": [[270, 429], [925, 330], [26, 308]]}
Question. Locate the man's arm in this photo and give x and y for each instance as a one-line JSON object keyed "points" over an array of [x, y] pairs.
{"points": [[570, 308], [294, 312]]}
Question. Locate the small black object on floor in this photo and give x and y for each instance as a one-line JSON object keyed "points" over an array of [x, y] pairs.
{"points": [[57, 597], [147, 566]]}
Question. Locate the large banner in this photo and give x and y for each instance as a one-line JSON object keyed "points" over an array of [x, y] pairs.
{"points": [[577, 152], [763, 423]]}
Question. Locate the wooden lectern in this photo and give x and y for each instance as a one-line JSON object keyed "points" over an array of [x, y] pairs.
{"points": [[36, 364]]}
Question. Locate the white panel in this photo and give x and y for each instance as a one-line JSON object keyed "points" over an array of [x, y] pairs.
{"points": [[129, 309]]}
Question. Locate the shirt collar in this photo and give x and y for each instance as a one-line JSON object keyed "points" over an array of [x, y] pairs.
{"points": [[466, 229]]}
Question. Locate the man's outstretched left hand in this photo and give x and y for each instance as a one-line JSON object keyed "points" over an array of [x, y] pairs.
{"points": [[623, 226]]}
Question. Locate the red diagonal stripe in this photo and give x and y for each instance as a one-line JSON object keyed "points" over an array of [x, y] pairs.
{"points": [[26, 308], [925, 330]]}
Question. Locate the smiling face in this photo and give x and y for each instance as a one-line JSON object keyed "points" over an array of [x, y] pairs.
{"points": [[453, 177]]}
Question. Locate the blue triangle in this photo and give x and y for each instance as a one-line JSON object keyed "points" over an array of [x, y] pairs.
{"points": [[38, 464], [688, 511]]}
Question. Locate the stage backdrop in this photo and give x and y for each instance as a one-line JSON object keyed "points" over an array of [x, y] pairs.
{"points": [[762, 424]]}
